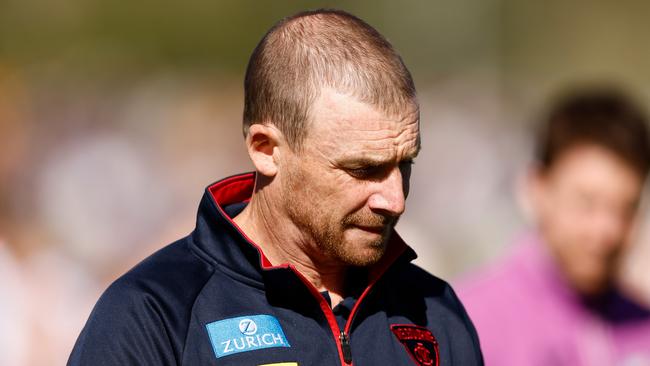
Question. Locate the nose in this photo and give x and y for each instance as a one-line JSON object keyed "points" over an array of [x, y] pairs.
{"points": [[388, 197]]}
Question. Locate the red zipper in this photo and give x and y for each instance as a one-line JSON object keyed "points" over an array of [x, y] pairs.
{"points": [[391, 255], [329, 315], [342, 337]]}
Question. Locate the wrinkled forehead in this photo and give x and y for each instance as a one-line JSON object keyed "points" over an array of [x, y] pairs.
{"points": [[342, 125]]}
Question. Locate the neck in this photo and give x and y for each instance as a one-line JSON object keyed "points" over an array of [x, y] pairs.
{"points": [[283, 243]]}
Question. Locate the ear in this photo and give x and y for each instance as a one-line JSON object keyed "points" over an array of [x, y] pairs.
{"points": [[263, 142]]}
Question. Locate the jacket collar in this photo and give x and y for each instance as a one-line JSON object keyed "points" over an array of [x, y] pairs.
{"points": [[219, 240]]}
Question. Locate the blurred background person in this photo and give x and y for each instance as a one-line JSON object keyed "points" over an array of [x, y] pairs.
{"points": [[555, 300]]}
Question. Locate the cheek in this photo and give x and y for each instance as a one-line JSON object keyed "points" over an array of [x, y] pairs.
{"points": [[563, 226], [326, 195], [346, 194], [568, 225]]}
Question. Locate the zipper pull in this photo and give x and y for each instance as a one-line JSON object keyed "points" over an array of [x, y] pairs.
{"points": [[345, 347]]}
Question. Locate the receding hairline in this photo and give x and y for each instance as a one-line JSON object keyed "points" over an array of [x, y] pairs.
{"points": [[307, 51], [312, 21]]}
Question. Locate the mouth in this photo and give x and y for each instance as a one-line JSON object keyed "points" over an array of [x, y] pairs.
{"points": [[372, 229]]}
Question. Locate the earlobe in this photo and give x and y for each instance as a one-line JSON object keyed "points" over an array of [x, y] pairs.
{"points": [[262, 143]]}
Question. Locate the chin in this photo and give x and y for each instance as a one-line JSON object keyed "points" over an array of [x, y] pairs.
{"points": [[368, 239], [360, 248], [366, 254], [363, 260], [592, 286]]}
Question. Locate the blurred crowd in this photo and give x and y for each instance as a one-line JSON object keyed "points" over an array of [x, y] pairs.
{"points": [[91, 185]]}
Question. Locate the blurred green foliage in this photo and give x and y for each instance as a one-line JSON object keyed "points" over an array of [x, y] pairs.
{"points": [[526, 43], [111, 38]]}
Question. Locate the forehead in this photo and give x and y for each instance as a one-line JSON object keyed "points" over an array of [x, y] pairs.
{"points": [[594, 168], [341, 125]]}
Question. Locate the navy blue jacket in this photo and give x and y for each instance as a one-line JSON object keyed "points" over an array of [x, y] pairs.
{"points": [[212, 298]]}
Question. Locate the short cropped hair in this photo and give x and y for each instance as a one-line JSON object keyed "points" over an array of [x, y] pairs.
{"points": [[322, 48], [601, 116]]}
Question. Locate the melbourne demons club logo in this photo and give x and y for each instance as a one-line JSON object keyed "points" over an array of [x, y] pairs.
{"points": [[419, 342]]}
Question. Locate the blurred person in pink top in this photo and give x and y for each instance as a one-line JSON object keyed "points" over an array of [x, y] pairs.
{"points": [[554, 300]]}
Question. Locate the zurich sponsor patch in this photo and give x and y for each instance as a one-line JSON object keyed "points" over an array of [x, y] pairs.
{"points": [[245, 333]]}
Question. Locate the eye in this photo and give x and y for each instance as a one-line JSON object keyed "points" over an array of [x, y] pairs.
{"points": [[365, 172]]}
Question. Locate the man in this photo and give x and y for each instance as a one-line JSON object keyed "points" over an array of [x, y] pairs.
{"points": [[554, 300], [298, 263]]}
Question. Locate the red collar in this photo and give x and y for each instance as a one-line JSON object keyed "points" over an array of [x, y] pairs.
{"points": [[239, 188]]}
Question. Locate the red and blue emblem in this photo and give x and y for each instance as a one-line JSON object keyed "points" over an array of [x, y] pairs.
{"points": [[419, 342]]}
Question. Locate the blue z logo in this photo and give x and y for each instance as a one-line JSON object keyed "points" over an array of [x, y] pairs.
{"points": [[245, 333]]}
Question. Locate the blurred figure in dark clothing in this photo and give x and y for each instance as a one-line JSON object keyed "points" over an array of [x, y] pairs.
{"points": [[554, 300]]}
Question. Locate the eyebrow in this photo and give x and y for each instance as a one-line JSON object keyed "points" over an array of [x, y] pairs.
{"points": [[360, 162], [373, 160]]}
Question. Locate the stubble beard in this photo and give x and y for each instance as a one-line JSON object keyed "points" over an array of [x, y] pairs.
{"points": [[327, 233]]}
